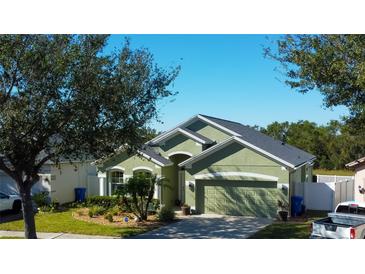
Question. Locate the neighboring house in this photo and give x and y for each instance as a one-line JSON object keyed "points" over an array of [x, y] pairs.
{"points": [[215, 166], [59, 180], [359, 185]]}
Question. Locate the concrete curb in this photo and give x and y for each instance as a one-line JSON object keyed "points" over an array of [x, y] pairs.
{"points": [[46, 235]]}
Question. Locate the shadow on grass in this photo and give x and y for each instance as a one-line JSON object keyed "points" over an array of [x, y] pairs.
{"points": [[9, 216], [280, 230]]}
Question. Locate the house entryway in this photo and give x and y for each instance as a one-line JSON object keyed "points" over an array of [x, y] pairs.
{"points": [[177, 183]]}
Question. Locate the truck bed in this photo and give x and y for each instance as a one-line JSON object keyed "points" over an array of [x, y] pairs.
{"points": [[337, 226]]}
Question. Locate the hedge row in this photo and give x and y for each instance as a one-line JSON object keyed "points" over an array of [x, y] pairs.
{"points": [[104, 201]]}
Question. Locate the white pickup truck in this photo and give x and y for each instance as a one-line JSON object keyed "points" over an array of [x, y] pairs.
{"points": [[346, 222], [10, 202]]}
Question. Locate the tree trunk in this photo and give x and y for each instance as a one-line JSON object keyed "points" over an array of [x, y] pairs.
{"points": [[28, 213]]}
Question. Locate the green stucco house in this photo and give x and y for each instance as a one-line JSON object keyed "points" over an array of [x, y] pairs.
{"points": [[215, 166]]}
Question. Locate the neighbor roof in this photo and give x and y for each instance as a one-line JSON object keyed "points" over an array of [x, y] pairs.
{"points": [[286, 152], [356, 162]]}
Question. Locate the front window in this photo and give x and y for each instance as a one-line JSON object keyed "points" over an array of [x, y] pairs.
{"points": [[116, 180]]}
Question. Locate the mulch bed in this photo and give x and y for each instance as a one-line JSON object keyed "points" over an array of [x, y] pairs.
{"points": [[118, 221]]}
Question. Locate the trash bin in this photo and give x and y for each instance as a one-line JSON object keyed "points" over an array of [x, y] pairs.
{"points": [[296, 205], [80, 194]]}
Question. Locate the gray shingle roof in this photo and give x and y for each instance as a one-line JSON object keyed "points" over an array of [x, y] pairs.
{"points": [[184, 131], [356, 163], [206, 139], [154, 155], [288, 153]]}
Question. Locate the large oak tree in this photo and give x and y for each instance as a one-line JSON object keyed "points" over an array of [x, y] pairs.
{"points": [[62, 96], [332, 64]]}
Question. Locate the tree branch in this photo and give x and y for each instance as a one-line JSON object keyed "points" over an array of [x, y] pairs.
{"points": [[7, 170], [43, 161]]}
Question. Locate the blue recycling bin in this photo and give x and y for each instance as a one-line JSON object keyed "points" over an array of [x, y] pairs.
{"points": [[296, 205], [80, 194]]}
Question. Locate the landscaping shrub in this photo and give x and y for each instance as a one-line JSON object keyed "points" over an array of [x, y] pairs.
{"points": [[44, 208], [54, 206], [103, 201], [41, 199], [96, 211], [165, 214], [113, 203], [74, 205], [155, 204], [114, 211], [109, 217]]}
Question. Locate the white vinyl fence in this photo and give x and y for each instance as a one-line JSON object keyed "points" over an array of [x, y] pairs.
{"points": [[92, 185], [334, 178], [324, 196]]}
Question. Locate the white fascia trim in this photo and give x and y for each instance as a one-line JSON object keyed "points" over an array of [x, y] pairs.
{"points": [[263, 152], [115, 168], [164, 136], [218, 126], [180, 152], [152, 159], [142, 168], [207, 152], [356, 162], [191, 136], [182, 131], [231, 174], [297, 167], [192, 119], [228, 141]]}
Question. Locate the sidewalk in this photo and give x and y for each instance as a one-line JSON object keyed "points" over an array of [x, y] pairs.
{"points": [[46, 235]]}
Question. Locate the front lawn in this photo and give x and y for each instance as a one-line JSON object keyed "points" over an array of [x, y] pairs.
{"points": [[281, 230], [66, 223], [291, 229]]}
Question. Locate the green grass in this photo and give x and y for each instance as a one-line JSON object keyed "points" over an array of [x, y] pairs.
{"points": [[341, 172], [64, 222], [297, 230], [8, 237], [290, 229]]}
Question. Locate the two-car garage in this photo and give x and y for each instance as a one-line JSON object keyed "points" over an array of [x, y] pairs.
{"points": [[236, 197], [234, 178]]}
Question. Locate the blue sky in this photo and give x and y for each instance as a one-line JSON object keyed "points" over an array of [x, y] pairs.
{"points": [[227, 76]]}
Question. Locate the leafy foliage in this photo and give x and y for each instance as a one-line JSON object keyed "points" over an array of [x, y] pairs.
{"points": [[109, 217], [332, 64], [165, 214], [137, 194], [333, 144], [64, 97], [104, 201], [96, 211], [41, 199], [114, 211]]}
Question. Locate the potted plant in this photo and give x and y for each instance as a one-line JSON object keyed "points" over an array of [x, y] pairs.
{"points": [[283, 210], [185, 209]]}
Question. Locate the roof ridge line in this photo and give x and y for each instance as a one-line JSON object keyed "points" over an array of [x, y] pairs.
{"points": [[207, 116]]}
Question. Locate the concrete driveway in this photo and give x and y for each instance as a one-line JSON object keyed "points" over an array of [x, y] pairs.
{"points": [[209, 227]]}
